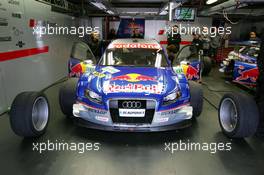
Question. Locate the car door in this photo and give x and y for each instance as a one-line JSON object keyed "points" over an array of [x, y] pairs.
{"points": [[187, 61], [81, 60]]}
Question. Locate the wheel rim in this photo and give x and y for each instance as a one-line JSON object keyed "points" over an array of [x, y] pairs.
{"points": [[40, 113], [228, 115]]}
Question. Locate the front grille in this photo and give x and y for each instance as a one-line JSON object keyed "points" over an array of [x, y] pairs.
{"points": [[148, 105]]}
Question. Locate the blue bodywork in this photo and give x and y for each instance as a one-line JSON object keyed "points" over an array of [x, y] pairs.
{"points": [[165, 79]]}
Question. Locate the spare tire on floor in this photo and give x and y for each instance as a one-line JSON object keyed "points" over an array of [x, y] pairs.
{"points": [[29, 114], [238, 115], [67, 96], [196, 93], [206, 65]]}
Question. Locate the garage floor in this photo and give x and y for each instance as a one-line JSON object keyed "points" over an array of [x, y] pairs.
{"points": [[133, 153]]}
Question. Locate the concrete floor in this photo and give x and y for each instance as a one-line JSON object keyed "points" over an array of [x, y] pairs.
{"points": [[133, 153]]}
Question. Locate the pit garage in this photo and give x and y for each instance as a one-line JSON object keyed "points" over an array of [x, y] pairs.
{"points": [[131, 87]]}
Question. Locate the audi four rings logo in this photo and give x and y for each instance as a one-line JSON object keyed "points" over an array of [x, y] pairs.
{"points": [[131, 104]]}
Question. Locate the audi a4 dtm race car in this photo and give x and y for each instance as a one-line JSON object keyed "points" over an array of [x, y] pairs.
{"points": [[190, 61], [132, 88], [242, 64]]}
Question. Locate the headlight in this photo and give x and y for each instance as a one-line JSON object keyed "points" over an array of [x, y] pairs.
{"points": [[171, 98], [93, 96]]}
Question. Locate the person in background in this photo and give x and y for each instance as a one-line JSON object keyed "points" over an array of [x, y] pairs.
{"points": [[171, 54], [174, 38], [206, 42], [197, 41], [215, 43], [95, 45], [137, 34], [112, 34], [253, 37]]}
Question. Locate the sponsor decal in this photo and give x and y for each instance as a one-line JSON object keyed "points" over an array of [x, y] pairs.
{"points": [[5, 38], [3, 22], [13, 2], [96, 111], [251, 74], [20, 44], [169, 112], [178, 70], [16, 15], [137, 46], [98, 74], [110, 70], [134, 77], [192, 72], [137, 88]]}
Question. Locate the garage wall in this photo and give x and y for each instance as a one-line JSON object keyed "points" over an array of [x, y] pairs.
{"points": [[152, 27], [32, 72]]}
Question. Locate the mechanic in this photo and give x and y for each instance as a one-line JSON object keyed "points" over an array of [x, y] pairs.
{"points": [[197, 44], [95, 45], [171, 54], [174, 38], [206, 42], [260, 86], [137, 34], [112, 34], [214, 44]]}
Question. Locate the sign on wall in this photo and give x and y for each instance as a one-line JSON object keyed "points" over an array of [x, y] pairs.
{"points": [[130, 27]]}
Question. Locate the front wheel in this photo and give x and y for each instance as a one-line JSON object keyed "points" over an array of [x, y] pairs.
{"points": [[238, 115], [196, 93], [67, 96], [29, 114]]}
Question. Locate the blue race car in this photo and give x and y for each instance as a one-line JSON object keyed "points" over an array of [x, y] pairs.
{"points": [[132, 88], [242, 65]]}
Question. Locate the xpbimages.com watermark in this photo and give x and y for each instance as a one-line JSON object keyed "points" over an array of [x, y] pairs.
{"points": [[173, 147], [190, 30], [63, 30], [61, 145]]}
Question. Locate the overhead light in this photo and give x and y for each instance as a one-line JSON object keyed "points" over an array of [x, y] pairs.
{"points": [[99, 5], [110, 12], [164, 12], [211, 1]]}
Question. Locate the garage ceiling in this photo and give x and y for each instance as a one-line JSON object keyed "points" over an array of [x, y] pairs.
{"points": [[142, 7]]}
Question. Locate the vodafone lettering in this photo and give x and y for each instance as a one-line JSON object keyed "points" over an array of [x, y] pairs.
{"points": [[136, 46]]}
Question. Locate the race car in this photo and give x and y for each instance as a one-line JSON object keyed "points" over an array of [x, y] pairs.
{"points": [[242, 65], [132, 88], [192, 65]]}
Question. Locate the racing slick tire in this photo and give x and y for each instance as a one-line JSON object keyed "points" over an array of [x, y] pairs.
{"points": [[238, 115], [206, 65], [67, 96], [196, 101], [29, 114]]}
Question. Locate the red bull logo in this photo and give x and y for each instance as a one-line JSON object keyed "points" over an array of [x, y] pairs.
{"points": [[133, 77], [251, 74], [76, 70], [192, 73]]}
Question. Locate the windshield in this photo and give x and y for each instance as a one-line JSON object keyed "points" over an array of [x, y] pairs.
{"points": [[252, 51], [134, 57]]}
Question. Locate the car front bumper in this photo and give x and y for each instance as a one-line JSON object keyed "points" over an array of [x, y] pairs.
{"points": [[95, 118]]}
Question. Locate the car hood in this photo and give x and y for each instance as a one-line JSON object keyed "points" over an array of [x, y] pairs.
{"points": [[132, 81]]}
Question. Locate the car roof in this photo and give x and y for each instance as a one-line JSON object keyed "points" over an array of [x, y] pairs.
{"points": [[139, 42]]}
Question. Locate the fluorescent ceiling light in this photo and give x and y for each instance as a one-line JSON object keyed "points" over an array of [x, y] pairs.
{"points": [[211, 1], [110, 12], [99, 5], [164, 12]]}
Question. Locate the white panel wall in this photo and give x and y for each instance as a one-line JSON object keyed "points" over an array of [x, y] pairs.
{"points": [[38, 71]]}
